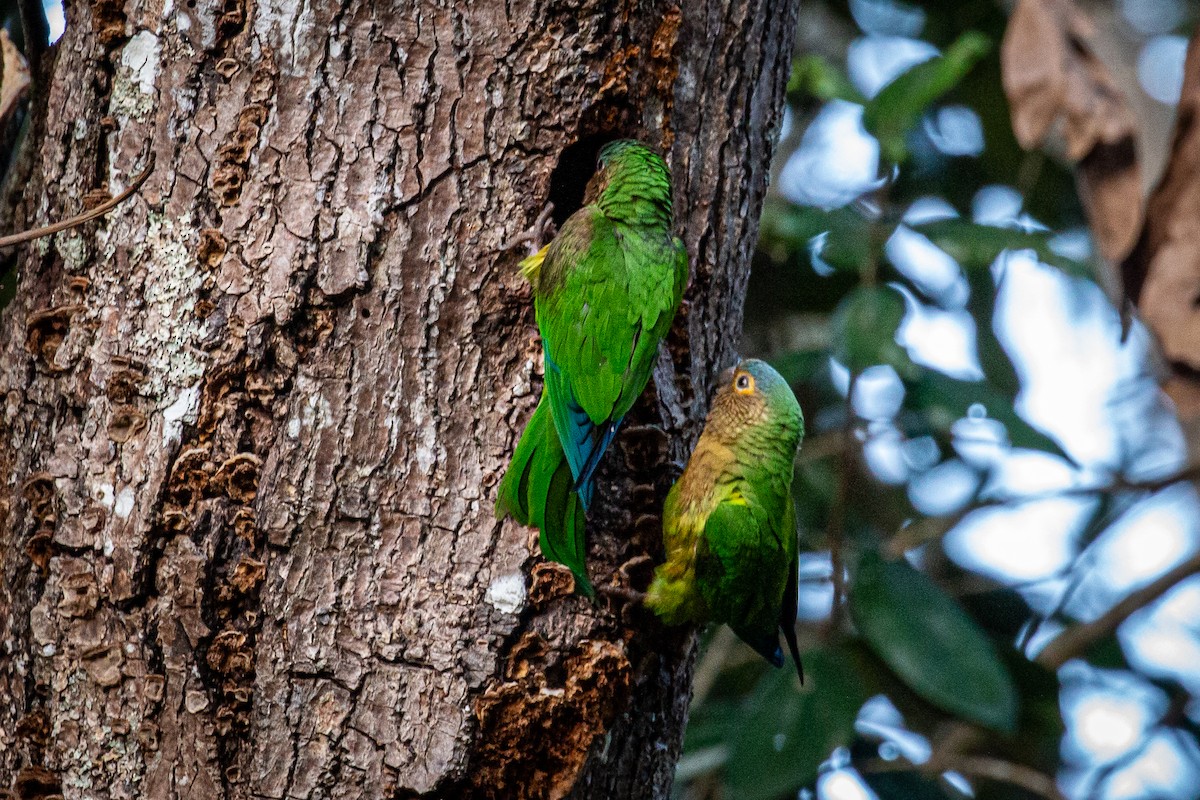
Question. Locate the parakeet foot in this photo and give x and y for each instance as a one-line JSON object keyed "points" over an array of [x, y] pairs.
{"points": [[624, 594], [637, 571], [536, 234]]}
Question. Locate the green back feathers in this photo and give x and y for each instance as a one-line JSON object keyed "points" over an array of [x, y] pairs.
{"points": [[606, 290], [633, 184], [606, 293]]}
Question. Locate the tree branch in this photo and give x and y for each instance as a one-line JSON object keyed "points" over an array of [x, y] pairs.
{"points": [[995, 769], [1075, 641], [985, 767], [928, 529]]}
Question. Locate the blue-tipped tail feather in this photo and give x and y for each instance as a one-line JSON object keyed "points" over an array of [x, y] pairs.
{"points": [[584, 442], [537, 490]]}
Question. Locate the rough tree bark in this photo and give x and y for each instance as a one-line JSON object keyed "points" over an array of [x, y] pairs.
{"points": [[253, 422]]}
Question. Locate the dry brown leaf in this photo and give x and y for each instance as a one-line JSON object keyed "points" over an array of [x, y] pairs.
{"points": [[15, 79], [1184, 393], [1050, 72], [1162, 274]]}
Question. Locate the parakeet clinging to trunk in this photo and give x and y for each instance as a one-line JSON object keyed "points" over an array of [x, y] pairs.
{"points": [[605, 292], [729, 522]]}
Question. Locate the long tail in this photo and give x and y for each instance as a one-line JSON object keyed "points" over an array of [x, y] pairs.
{"points": [[537, 490], [584, 441], [766, 642], [787, 614], [789, 635]]}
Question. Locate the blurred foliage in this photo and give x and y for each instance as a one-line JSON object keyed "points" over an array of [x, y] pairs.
{"points": [[927, 639], [891, 115], [916, 662]]}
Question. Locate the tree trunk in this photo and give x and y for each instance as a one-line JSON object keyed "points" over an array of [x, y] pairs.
{"points": [[254, 420]]}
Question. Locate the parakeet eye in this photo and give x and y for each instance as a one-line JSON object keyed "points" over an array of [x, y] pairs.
{"points": [[744, 383]]}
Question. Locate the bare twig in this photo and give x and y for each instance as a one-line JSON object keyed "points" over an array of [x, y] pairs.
{"points": [[1075, 641], [925, 529], [953, 739], [930, 528], [1020, 775], [984, 767], [536, 234], [1036, 622], [87, 216], [1187, 473], [978, 767]]}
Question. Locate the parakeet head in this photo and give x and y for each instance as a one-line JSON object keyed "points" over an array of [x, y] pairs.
{"points": [[754, 400], [631, 180]]}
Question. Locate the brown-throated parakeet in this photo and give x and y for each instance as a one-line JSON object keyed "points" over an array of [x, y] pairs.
{"points": [[729, 522], [605, 292]]}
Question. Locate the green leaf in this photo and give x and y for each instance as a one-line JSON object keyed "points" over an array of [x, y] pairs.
{"points": [[815, 490], [845, 247], [786, 229], [945, 400], [864, 329], [786, 730], [976, 246], [847, 242], [841, 238], [1001, 611], [1041, 723], [931, 643], [993, 358], [898, 107], [919, 714], [814, 76]]}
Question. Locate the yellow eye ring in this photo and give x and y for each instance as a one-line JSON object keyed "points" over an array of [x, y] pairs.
{"points": [[743, 383]]}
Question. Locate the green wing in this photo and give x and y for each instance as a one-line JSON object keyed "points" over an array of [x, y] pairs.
{"points": [[605, 299], [601, 313], [745, 572]]}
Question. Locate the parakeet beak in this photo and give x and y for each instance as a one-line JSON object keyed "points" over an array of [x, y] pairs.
{"points": [[726, 376]]}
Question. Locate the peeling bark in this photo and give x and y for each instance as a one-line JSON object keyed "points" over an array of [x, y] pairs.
{"points": [[254, 420], [1051, 71], [1162, 274]]}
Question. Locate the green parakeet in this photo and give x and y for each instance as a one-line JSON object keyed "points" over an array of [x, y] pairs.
{"points": [[605, 292], [729, 522]]}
